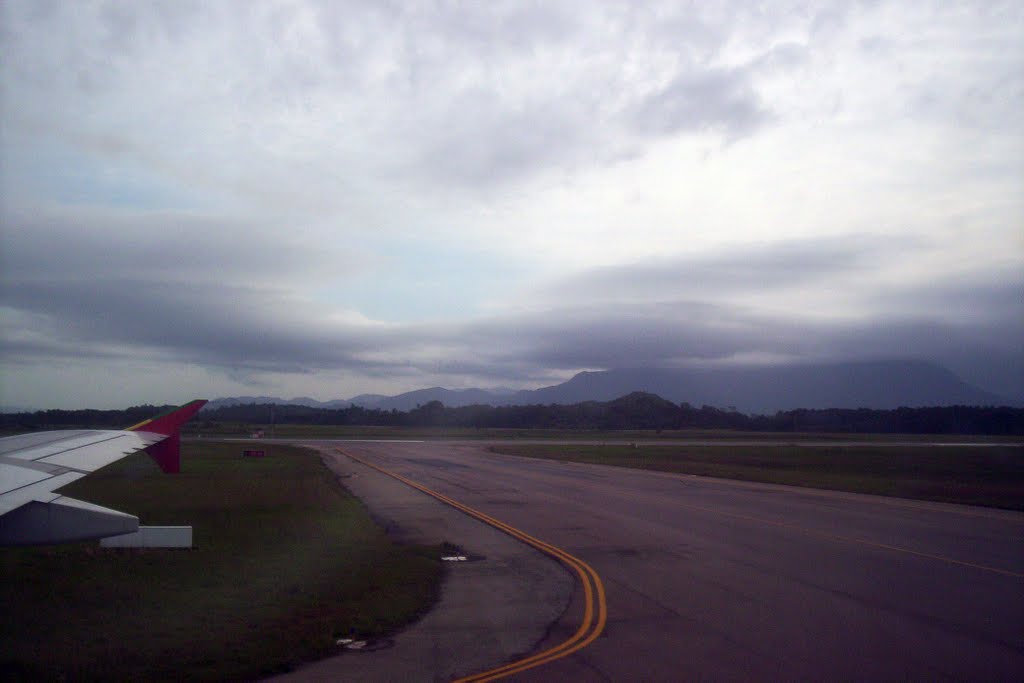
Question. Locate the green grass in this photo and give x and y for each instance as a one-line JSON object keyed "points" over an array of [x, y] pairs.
{"points": [[285, 562], [298, 431], [988, 475]]}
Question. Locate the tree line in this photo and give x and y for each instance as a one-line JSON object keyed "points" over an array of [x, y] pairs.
{"points": [[634, 411]]}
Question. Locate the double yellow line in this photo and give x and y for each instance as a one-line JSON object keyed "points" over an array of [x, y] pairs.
{"points": [[595, 611]]}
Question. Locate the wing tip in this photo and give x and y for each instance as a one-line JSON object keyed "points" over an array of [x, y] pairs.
{"points": [[170, 420], [167, 451]]}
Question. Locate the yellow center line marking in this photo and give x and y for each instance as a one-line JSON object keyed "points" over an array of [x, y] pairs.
{"points": [[595, 611], [851, 539]]}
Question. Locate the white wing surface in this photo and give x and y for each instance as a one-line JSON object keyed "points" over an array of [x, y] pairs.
{"points": [[34, 466]]}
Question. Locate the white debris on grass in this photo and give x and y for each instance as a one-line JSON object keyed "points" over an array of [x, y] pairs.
{"points": [[351, 643]]}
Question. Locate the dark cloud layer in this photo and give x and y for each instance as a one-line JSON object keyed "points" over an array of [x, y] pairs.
{"points": [[743, 269], [77, 305]]}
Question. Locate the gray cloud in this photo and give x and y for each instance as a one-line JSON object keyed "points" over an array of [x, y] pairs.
{"points": [[224, 327], [484, 142], [467, 95], [743, 269], [178, 295], [162, 246], [712, 98], [210, 183], [246, 330], [632, 335], [992, 299]]}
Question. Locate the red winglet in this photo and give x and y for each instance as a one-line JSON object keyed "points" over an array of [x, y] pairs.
{"points": [[167, 452]]}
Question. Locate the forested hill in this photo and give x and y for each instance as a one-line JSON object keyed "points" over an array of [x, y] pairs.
{"points": [[633, 411], [80, 419]]}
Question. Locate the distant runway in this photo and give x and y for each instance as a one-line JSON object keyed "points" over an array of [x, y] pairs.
{"points": [[799, 440], [720, 580]]}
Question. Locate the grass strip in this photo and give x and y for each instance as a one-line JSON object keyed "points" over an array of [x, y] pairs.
{"points": [[990, 476], [285, 562], [307, 431]]}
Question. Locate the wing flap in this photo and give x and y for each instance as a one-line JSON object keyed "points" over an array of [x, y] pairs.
{"points": [[63, 520], [41, 491], [17, 477]]}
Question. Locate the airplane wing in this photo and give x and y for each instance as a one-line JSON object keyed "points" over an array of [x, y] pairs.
{"points": [[33, 466]]}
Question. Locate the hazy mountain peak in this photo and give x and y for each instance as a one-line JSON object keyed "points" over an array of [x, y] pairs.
{"points": [[882, 384]]}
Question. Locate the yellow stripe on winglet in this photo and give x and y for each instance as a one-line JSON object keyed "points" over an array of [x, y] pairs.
{"points": [[141, 424], [170, 410]]}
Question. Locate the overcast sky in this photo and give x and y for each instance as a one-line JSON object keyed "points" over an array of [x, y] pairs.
{"points": [[324, 199]]}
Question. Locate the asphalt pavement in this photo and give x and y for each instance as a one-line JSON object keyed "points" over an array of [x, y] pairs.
{"points": [[708, 579]]}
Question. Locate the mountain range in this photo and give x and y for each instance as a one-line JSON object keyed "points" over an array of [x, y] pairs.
{"points": [[750, 389]]}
